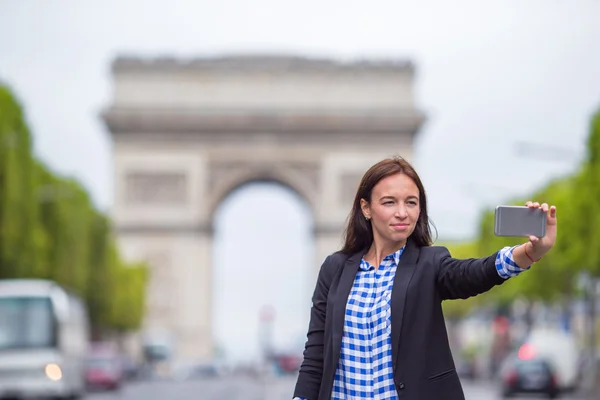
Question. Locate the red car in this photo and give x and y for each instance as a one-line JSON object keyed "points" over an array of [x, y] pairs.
{"points": [[104, 371]]}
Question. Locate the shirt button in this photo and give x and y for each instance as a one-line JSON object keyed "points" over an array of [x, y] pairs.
{"points": [[401, 386]]}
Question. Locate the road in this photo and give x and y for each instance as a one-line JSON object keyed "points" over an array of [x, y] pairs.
{"points": [[246, 389]]}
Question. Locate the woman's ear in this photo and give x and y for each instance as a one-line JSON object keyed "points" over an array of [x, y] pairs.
{"points": [[366, 210]]}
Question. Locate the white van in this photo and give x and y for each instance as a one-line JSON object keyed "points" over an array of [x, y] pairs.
{"points": [[44, 333]]}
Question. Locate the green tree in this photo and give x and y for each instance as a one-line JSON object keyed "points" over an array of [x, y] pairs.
{"points": [[586, 251], [50, 229], [552, 276], [577, 198], [21, 239], [67, 216], [99, 276]]}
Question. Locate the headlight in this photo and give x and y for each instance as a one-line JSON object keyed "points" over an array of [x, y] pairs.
{"points": [[53, 372]]}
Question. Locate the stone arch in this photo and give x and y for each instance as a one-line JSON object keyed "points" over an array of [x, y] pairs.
{"points": [[279, 174], [186, 133]]}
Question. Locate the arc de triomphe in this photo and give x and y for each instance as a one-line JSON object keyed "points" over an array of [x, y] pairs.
{"points": [[188, 132]]}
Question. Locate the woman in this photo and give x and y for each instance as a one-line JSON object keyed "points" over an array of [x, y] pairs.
{"points": [[376, 327]]}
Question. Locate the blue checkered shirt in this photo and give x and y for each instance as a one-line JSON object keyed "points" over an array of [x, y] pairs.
{"points": [[364, 369]]}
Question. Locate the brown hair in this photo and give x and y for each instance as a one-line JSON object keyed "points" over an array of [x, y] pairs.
{"points": [[359, 232]]}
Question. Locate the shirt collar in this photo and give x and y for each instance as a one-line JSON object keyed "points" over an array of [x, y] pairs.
{"points": [[395, 256], [398, 254]]}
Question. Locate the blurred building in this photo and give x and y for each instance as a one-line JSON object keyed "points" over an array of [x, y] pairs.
{"points": [[188, 132]]}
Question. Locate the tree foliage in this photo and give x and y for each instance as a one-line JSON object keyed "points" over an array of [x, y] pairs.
{"points": [[586, 205], [50, 229], [577, 249]]}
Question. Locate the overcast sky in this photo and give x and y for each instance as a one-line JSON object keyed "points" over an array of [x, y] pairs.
{"points": [[489, 75]]}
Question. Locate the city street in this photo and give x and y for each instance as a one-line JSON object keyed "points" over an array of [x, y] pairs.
{"points": [[246, 389]]}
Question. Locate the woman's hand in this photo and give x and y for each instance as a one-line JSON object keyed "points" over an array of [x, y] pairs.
{"points": [[540, 246]]}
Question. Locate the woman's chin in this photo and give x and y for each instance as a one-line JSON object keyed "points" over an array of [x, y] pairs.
{"points": [[398, 239]]}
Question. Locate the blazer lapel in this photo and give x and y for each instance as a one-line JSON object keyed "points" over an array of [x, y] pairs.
{"points": [[404, 273], [342, 292]]}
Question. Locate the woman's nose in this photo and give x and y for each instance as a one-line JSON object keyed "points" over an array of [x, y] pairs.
{"points": [[401, 212]]}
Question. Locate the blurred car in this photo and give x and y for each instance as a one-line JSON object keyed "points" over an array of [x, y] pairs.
{"points": [[131, 369], [560, 350], [104, 371], [288, 363], [44, 331], [524, 374]]}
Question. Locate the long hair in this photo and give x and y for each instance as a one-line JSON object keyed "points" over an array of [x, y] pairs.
{"points": [[358, 234]]}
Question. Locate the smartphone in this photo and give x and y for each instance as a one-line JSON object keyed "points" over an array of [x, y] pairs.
{"points": [[520, 221]]}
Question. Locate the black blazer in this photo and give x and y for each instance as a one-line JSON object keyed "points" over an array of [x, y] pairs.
{"points": [[422, 362]]}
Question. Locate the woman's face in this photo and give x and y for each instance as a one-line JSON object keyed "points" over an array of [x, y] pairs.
{"points": [[394, 209]]}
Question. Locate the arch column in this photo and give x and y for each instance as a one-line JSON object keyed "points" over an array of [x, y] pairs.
{"points": [[161, 215], [195, 338]]}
